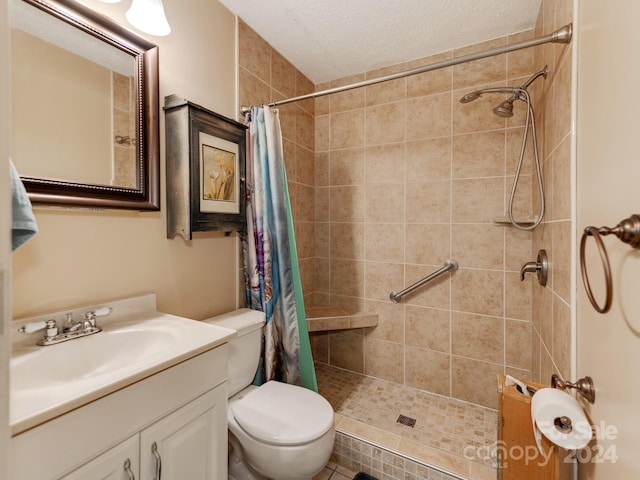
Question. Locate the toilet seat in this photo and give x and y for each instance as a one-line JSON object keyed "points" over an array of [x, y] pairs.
{"points": [[282, 414]]}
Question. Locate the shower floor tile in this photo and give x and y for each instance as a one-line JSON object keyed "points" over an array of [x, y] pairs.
{"points": [[449, 434]]}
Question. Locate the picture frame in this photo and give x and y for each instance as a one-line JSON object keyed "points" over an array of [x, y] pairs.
{"points": [[206, 165]]}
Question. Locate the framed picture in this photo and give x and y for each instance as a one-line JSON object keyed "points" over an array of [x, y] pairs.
{"points": [[206, 166]]}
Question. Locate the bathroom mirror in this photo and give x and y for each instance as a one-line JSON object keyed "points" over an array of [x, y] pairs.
{"points": [[85, 108]]}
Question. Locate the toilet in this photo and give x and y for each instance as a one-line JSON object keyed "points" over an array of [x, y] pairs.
{"points": [[276, 430]]}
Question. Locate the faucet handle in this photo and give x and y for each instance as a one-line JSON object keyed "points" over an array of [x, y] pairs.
{"points": [[50, 325], [90, 317], [540, 267]]}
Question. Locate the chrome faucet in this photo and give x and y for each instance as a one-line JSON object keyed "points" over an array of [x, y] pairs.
{"points": [[70, 329]]}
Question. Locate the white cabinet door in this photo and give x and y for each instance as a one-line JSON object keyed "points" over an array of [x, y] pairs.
{"points": [[191, 443], [119, 463]]}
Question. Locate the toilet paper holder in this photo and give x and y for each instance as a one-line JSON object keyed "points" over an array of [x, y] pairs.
{"points": [[584, 386]]}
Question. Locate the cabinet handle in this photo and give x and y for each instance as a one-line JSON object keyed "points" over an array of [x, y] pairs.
{"points": [[154, 450], [127, 469]]}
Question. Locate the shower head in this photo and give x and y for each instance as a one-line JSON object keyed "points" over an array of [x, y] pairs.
{"points": [[505, 109]]}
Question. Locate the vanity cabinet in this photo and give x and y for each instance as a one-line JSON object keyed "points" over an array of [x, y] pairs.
{"points": [[188, 442], [182, 409]]}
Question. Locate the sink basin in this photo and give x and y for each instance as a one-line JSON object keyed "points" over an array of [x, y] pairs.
{"points": [[134, 344]]}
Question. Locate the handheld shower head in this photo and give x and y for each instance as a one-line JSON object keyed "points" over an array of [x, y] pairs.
{"points": [[470, 97]]}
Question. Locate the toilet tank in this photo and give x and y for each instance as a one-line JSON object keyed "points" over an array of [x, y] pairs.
{"points": [[244, 348]]}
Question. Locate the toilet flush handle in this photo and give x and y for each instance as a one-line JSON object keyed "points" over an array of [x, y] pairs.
{"points": [[540, 267]]}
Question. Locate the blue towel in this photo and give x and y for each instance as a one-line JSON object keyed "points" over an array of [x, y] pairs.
{"points": [[23, 225]]}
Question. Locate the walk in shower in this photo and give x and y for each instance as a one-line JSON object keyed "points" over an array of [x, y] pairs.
{"points": [[403, 177]]}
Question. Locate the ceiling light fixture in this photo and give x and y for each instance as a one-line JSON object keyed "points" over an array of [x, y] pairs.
{"points": [[148, 16]]}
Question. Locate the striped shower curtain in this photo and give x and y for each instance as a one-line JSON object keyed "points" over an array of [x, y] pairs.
{"points": [[272, 277]]}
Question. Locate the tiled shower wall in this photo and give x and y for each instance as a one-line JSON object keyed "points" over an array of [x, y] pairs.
{"points": [[407, 177], [389, 181], [553, 305]]}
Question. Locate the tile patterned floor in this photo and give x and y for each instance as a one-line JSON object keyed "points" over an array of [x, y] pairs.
{"points": [[446, 434]]}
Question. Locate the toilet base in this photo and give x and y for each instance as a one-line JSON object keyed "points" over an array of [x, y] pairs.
{"points": [[239, 469]]}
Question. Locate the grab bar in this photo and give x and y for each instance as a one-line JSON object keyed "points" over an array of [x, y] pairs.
{"points": [[449, 266]]}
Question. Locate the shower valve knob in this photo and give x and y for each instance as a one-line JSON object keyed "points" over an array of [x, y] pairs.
{"points": [[540, 267]]}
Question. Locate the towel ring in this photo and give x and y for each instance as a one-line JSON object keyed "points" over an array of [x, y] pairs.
{"points": [[604, 258], [628, 231]]}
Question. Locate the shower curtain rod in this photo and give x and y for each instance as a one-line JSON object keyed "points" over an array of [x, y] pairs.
{"points": [[562, 35]]}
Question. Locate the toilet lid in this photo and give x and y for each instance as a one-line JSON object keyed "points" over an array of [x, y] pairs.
{"points": [[283, 414]]}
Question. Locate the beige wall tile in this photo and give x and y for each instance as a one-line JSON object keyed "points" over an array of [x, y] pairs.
{"points": [[384, 360], [384, 202], [346, 166], [390, 316], [305, 128], [347, 204], [381, 278], [477, 291], [347, 241], [560, 188], [385, 163], [322, 239], [347, 277], [518, 295], [387, 92], [384, 242], [520, 63], [478, 246], [429, 160], [561, 261], [427, 244], [517, 248], [478, 72], [518, 341], [385, 123], [252, 91], [475, 381], [428, 328], [428, 370], [476, 336], [428, 202], [477, 200], [254, 53], [283, 74], [346, 350], [479, 154], [429, 83], [347, 129], [561, 348], [430, 116], [322, 134], [349, 99], [320, 346]]}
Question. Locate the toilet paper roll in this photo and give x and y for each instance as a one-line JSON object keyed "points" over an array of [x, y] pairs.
{"points": [[559, 417]]}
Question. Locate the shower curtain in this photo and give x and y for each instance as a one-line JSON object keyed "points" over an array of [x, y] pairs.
{"points": [[272, 276]]}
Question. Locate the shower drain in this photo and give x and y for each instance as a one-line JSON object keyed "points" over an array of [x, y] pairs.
{"points": [[408, 421]]}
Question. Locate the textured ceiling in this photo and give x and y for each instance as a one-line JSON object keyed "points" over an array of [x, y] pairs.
{"points": [[330, 39]]}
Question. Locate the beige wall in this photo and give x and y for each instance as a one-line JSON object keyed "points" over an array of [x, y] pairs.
{"points": [[58, 124], [608, 172], [80, 257]]}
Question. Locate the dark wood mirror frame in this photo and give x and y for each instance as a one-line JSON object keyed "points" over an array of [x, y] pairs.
{"points": [[146, 196]]}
